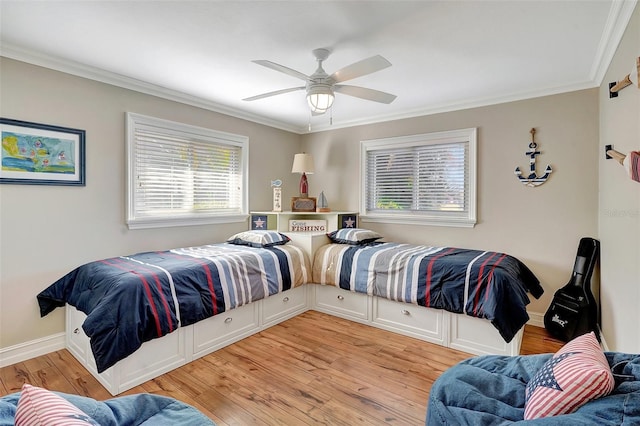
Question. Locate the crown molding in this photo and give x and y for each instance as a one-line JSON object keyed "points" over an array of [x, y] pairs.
{"points": [[114, 79], [471, 103], [618, 19], [619, 16]]}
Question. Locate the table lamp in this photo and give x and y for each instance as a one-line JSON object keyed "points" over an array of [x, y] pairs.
{"points": [[303, 163]]}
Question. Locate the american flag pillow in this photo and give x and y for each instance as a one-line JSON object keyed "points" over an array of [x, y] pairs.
{"points": [[40, 407], [575, 375]]}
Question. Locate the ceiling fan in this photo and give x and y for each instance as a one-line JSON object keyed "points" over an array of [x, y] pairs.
{"points": [[321, 86]]}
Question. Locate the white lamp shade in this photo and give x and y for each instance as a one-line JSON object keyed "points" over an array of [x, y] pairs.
{"points": [[303, 163]]}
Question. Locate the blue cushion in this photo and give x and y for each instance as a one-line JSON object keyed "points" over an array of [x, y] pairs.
{"points": [[490, 390]]}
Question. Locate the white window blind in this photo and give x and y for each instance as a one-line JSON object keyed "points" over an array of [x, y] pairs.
{"points": [[427, 179], [183, 174]]}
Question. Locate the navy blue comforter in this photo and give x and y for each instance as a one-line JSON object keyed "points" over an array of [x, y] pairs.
{"points": [[132, 299], [483, 284]]}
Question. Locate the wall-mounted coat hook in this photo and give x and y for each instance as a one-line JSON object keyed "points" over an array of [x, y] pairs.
{"points": [[632, 78], [630, 162], [612, 153]]}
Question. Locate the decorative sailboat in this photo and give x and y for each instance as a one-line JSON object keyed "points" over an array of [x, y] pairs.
{"points": [[322, 206]]}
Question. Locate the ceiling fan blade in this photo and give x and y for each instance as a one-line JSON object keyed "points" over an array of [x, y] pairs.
{"points": [[282, 68], [364, 93], [358, 69], [274, 93]]}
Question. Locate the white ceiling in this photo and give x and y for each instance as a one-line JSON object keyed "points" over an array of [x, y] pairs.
{"points": [[446, 55]]}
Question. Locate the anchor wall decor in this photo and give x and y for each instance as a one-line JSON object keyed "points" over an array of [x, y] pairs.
{"points": [[533, 180]]}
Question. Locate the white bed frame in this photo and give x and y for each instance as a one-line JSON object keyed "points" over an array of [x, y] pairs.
{"points": [[158, 356]]}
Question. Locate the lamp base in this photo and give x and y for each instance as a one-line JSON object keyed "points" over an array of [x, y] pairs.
{"points": [[304, 185]]}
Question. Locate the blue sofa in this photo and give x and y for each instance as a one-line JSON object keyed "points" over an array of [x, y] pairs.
{"points": [[132, 410], [490, 391]]}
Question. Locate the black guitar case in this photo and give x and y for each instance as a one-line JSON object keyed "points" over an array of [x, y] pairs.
{"points": [[574, 311]]}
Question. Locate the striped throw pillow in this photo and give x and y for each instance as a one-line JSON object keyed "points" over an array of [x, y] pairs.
{"points": [[40, 407], [353, 236], [576, 374], [259, 239]]}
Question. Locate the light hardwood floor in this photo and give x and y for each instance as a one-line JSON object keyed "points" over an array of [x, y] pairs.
{"points": [[311, 369]]}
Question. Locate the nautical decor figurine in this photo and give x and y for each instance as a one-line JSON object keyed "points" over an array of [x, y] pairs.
{"points": [[277, 195], [533, 180], [323, 205]]}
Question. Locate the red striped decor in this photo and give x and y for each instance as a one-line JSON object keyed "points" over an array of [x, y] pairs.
{"points": [[40, 407], [575, 375]]}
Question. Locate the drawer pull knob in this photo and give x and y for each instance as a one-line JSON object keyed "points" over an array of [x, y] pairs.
{"points": [[405, 312], [340, 297], [228, 320], [76, 331], [285, 300]]}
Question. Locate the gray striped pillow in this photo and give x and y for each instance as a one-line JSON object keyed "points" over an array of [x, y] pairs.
{"points": [[259, 239], [355, 236]]}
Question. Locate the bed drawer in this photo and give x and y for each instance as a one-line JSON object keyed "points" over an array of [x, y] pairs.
{"points": [[479, 336], [342, 303], [76, 341], [154, 358], [225, 328], [411, 320], [284, 305]]}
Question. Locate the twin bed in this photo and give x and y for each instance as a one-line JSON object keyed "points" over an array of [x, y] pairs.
{"points": [[481, 284], [126, 301]]}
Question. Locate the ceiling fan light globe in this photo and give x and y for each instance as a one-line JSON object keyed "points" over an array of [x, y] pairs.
{"points": [[320, 101]]}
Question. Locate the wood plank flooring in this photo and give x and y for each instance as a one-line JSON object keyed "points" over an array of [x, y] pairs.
{"points": [[312, 369]]}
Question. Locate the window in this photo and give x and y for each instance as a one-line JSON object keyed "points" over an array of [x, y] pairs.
{"points": [[183, 175], [424, 179]]}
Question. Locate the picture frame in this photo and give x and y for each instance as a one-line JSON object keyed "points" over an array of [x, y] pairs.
{"points": [[41, 154], [303, 204]]}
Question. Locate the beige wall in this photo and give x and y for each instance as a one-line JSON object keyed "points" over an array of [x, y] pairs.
{"points": [[619, 210], [542, 226], [46, 231]]}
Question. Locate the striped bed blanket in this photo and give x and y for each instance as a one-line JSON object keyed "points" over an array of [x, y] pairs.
{"points": [[482, 284], [129, 300]]}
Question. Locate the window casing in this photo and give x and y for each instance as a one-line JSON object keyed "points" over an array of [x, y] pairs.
{"points": [[427, 179], [183, 175]]}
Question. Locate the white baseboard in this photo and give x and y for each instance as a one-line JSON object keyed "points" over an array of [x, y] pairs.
{"points": [[536, 319], [32, 349]]}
